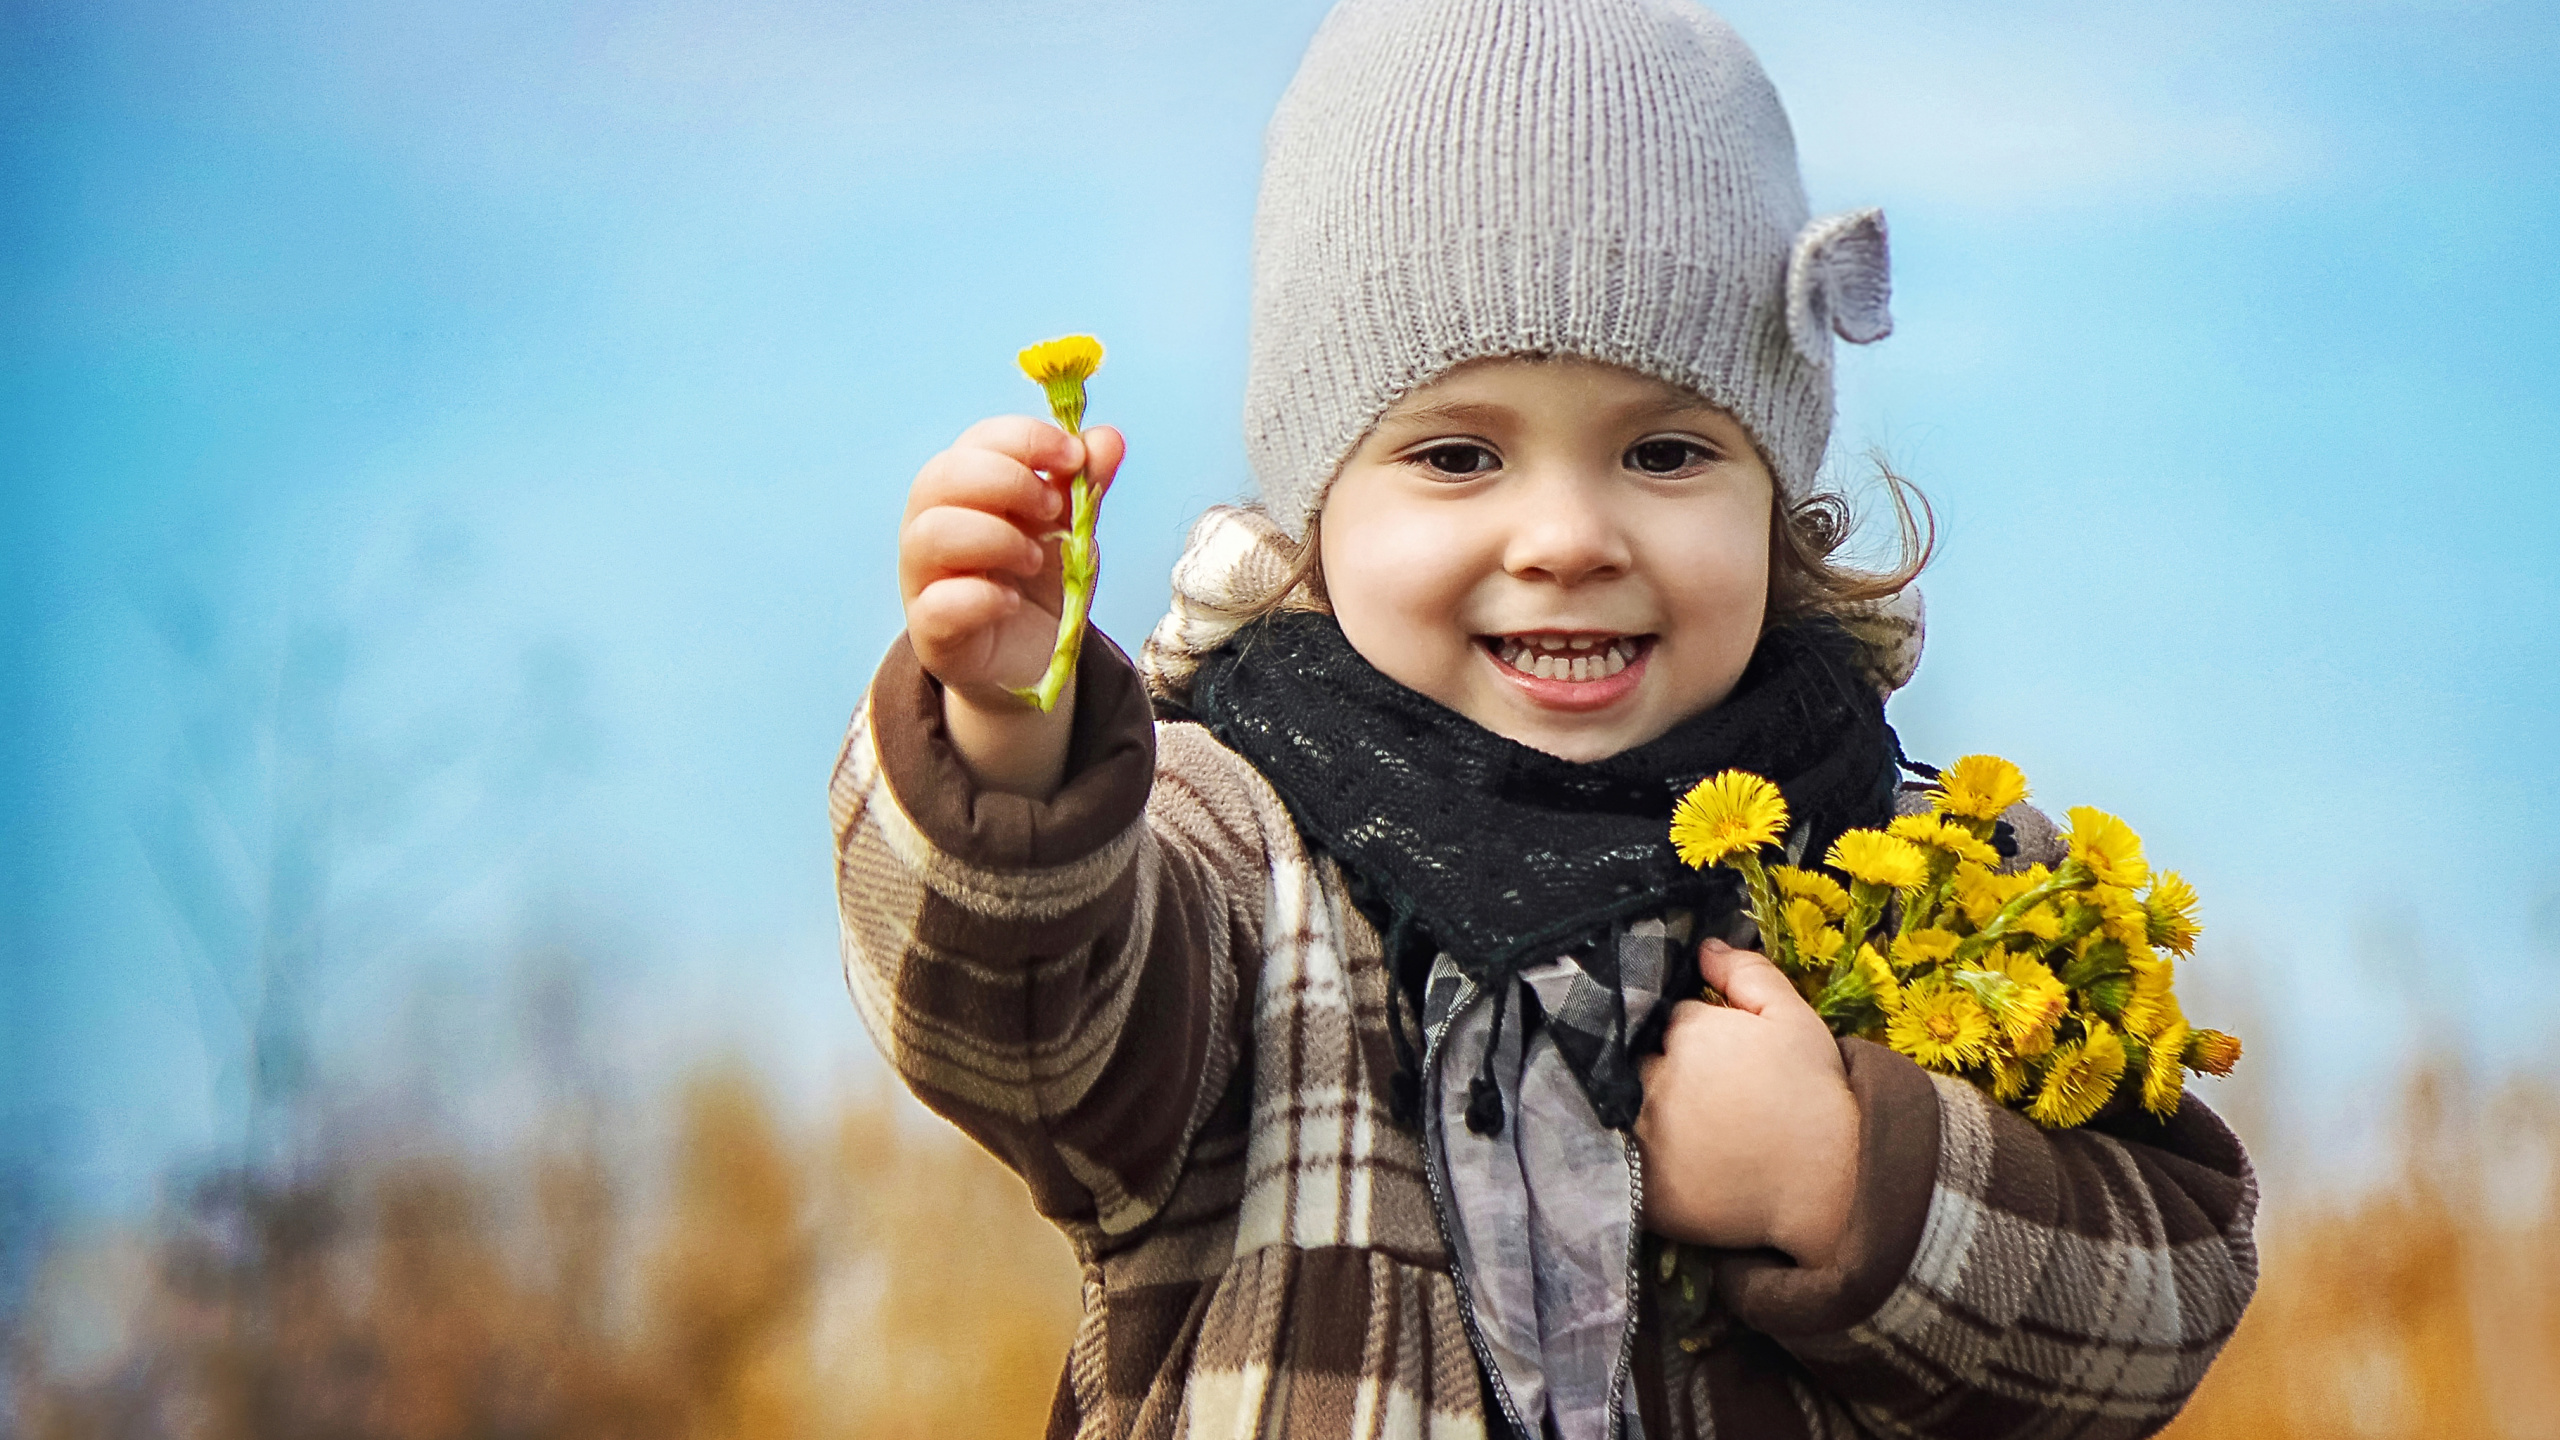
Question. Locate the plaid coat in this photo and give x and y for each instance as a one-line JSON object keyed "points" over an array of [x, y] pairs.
{"points": [[1149, 998]]}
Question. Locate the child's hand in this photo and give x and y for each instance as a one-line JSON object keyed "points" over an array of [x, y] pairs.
{"points": [[1749, 1133], [978, 572]]}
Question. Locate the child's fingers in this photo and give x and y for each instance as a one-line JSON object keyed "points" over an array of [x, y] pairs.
{"points": [[1748, 980], [948, 540], [981, 478], [1035, 443], [950, 619]]}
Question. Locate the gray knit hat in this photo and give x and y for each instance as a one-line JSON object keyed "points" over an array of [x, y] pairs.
{"points": [[1614, 179]]}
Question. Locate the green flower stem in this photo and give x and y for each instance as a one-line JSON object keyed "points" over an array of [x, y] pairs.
{"points": [[1920, 907], [1866, 902], [1776, 939], [1079, 557], [1079, 561], [2072, 876]]}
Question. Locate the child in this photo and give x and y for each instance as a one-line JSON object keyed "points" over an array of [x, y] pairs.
{"points": [[1322, 1013]]}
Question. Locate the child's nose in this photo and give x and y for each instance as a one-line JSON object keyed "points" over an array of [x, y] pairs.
{"points": [[1565, 533]]}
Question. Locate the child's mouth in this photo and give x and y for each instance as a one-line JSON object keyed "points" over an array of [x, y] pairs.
{"points": [[1570, 670]]}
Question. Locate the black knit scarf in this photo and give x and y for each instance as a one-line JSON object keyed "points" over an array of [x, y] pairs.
{"points": [[1455, 839]]}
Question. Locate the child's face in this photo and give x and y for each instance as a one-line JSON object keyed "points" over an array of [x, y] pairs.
{"points": [[1557, 515]]}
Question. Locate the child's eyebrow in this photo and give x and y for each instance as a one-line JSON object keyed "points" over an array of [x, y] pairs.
{"points": [[1448, 412]]}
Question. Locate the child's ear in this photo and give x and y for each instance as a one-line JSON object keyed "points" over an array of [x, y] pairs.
{"points": [[1839, 282]]}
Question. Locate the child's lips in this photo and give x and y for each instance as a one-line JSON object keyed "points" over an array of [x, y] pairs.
{"points": [[1611, 666]]}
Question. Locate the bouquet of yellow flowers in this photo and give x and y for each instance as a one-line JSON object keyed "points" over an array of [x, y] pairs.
{"points": [[2049, 988]]}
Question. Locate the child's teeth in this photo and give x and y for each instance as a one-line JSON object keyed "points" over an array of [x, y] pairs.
{"points": [[1580, 658]]}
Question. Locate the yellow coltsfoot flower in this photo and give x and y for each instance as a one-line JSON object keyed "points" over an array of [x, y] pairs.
{"points": [[1940, 1026], [2106, 848], [1736, 812], [1875, 858], [2078, 1078], [2169, 913], [2162, 1081], [1880, 982], [2210, 1052], [1811, 885], [1932, 833], [1979, 787], [2036, 1003], [1982, 893], [2150, 1009], [1060, 367], [2008, 1077], [1925, 947]]}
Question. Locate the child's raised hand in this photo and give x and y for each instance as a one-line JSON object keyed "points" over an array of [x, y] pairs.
{"points": [[978, 573], [1749, 1133], [978, 557]]}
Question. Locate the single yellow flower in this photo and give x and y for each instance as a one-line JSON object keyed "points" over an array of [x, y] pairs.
{"points": [[2037, 1001], [2169, 913], [1735, 812], [2079, 1078], [1061, 367], [1811, 885], [1940, 1026], [1815, 939], [1979, 787], [2107, 848], [2008, 1077], [1880, 981], [2210, 1052], [2162, 1082], [1876, 858], [1930, 832], [1925, 947], [2120, 913], [2150, 1009]]}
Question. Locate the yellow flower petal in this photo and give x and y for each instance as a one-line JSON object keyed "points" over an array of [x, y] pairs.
{"points": [[2169, 913], [1878, 859], [1069, 357], [1979, 787], [2079, 1078], [1940, 1026], [1811, 885], [1925, 947], [1725, 815], [2107, 847], [1930, 832], [2162, 1082], [2037, 1001]]}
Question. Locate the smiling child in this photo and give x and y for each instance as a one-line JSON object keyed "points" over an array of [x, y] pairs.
{"points": [[1328, 975]]}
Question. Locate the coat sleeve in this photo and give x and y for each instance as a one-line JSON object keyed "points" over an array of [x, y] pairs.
{"points": [[1061, 979], [2039, 1283], [2002, 1280]]}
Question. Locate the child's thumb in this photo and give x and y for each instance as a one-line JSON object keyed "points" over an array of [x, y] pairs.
{"points": [[1104, 448], [1745, 978]]}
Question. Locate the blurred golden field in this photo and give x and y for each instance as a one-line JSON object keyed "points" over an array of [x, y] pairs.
{"points": [[875, 1275]]}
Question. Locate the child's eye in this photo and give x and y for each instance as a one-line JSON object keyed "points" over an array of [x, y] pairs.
{"points": [[1667, 456], [1457, 458]]}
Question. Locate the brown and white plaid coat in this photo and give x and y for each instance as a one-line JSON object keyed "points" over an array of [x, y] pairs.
{"points": [[1148, 998]]}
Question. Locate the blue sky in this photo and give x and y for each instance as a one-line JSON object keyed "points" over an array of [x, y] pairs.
{"points": [[545, 381]]}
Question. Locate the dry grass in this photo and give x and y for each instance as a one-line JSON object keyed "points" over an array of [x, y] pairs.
{"points": [[879, 1277]]}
